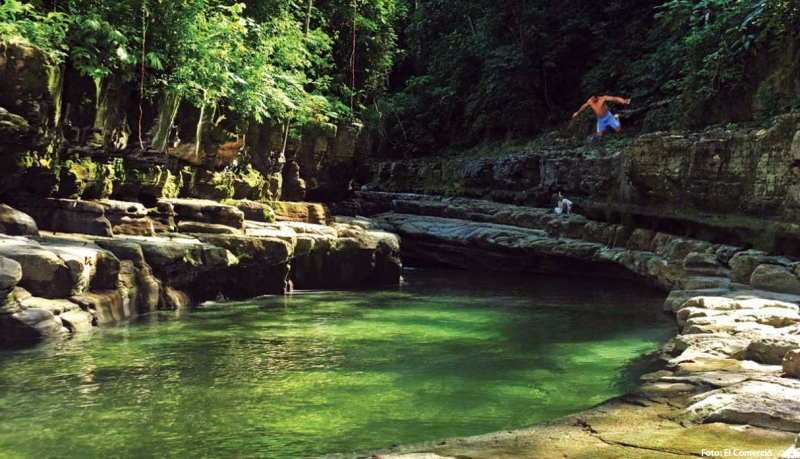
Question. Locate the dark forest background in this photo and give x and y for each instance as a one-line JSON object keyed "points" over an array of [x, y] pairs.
{"points": [[427, 76]]}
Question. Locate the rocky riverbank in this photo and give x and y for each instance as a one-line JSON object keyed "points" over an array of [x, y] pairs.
{"points": [[79, 264], [730, 381]]}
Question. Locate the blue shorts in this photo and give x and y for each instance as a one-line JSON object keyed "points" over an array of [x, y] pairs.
{"points": [[606, 122]]}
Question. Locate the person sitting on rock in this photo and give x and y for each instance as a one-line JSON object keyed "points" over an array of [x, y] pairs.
{"points": [[564, 206]]}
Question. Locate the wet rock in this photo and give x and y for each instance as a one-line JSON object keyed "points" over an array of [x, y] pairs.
{"points": [[106, 307], [10, 275], [41, 323], [176, 299], [724, 253], [16, 223], [77, 321], [701, 282]]}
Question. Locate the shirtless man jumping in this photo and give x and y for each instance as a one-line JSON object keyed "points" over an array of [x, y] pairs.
{"points": [[605, 118]]}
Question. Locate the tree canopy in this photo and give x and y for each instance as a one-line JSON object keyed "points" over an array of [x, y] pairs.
{"points": [[425, 75]]}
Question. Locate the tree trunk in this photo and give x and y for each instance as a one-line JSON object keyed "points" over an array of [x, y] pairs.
{"points": [[166, 115], [308, 17]]}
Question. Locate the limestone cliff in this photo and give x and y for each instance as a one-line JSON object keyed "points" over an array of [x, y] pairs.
{"points": [[738, 186]]}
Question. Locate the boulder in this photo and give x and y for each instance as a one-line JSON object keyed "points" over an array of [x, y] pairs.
{"points": [[41, 322], [16, 223], [775, 278], [744, 263], [77, 321], [44, 274], [641, 239], [772, 350], [720, 345], [10, 275], [791, 363], [704, 264], [675, 248], [724, 253], [90, 265]]}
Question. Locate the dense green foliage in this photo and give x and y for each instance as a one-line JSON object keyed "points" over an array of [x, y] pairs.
{"points": [[489, 71], [257, 59], [428, 75]]}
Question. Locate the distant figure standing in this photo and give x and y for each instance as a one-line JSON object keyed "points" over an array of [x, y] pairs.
{"points": [[605, 118], [564, 205]]}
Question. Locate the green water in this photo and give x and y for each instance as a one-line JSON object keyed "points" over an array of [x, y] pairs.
{"points": [[446, 354]]}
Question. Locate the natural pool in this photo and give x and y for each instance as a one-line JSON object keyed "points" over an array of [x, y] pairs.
{"points": [[446, 354]]}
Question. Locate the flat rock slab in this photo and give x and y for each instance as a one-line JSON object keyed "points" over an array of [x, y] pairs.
{"points": [[206, 211], [771, 404], [612, 430]]}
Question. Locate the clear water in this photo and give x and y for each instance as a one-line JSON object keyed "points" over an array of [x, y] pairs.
{"points": [[447, 354]]}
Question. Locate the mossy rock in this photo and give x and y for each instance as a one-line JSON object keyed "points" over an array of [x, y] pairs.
{"points": [[326, 130], [249, 184], [11, 124], [84, 178]]}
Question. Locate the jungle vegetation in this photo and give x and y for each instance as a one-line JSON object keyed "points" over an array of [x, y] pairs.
{"points": [[427, 75]]}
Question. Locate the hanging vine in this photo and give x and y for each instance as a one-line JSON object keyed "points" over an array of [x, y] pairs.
{"points": [[141, 83], [353, 58]]}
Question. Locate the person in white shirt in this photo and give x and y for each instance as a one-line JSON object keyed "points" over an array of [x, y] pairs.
{"points": [[564, 205]]}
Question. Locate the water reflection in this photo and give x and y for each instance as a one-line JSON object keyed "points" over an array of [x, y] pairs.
{"points": [[311, 373]]}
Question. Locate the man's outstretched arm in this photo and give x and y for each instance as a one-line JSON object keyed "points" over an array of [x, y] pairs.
{"points": [[617, 99], [583, 107]]}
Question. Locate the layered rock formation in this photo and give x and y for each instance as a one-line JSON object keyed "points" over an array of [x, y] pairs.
{"points": [[734, 362], [736, 186], [72, 277]]}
